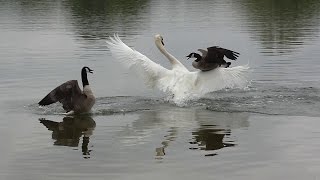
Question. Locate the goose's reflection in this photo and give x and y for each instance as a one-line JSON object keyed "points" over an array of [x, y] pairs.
{"points": [[211, 139], [69, 131], [210, 131], [215, 132]]}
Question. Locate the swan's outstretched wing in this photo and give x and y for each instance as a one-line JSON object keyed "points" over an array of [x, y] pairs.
{"points": [[66, 93], [132, 59], [222, 78]]}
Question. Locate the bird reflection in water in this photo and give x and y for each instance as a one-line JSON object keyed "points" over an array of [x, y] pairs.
{"points": [[69, 131], [172, 134], [208, 138]]}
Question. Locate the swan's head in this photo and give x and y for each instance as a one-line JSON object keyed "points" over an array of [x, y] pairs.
{"points": [[158, 38], [87, 69]]}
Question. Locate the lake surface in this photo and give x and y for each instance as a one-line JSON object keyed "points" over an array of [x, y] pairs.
{"points": [[270, 130]]}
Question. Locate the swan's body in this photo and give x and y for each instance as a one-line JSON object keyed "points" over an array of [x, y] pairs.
{"points": [[73, 99], [179, 81]]}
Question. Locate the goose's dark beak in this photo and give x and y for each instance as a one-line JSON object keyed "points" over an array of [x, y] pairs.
{"points": [[91, 71], [162, 42]]}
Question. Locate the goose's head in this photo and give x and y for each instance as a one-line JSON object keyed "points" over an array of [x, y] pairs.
{"points": [[158, 39], [194, 55], [87, 69]]}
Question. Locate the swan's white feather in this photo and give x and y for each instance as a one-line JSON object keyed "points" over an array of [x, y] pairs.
{"points": [[222, 78], [183, 84], [139, 63]]}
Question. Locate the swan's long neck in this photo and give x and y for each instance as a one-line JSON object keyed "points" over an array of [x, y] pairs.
{"points": [[174, 62], [84, 77]]}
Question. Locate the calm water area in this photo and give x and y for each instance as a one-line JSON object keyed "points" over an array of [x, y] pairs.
{"points": [[270, 130]]}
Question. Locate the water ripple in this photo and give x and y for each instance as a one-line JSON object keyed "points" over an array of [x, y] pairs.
{"points": [[275, 101]]}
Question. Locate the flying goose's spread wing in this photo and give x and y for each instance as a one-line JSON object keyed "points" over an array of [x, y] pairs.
{"points": [[67, 93], [216, 54], [132, 59]]}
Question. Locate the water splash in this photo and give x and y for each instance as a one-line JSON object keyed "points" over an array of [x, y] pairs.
{"points": [[186, 87]]}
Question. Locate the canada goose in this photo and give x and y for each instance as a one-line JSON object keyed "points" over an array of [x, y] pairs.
{"points": [[70, 95], [179, 81], [212, 58]]}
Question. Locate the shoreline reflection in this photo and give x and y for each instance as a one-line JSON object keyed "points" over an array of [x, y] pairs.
{"points": [[282, 27]]}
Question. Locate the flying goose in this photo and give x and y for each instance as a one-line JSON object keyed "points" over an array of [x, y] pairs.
{"points": [[212, 58], [73, 99], [178, 80]]}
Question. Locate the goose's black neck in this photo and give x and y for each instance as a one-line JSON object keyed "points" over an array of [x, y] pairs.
{"points": [[197, 56], [84, 77]]}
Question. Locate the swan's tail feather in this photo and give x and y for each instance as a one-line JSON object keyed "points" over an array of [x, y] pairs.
{"points": [[134, 60]]}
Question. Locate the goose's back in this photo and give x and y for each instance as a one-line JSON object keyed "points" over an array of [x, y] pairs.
{"points": [[204, 66]]}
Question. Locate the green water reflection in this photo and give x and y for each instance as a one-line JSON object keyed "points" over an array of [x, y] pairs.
{"points": [[282, 26], [94, 19]]}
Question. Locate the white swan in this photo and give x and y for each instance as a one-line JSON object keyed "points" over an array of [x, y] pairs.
{"points": [[179, 81]]}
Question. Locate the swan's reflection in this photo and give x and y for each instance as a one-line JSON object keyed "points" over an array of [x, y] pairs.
{"points": [[69, 131], [172, 135], [204, 130]]}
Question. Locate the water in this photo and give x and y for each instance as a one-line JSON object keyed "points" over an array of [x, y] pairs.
{"points": [[268, 130]]}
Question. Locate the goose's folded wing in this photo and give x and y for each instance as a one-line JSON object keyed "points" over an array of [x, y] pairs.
{"points": [[218, 52], [65, 93], [222, 78], [133, 59]]}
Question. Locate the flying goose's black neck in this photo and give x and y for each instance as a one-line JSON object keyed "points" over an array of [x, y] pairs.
{"points": [[84, 77], [196, 55]]}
